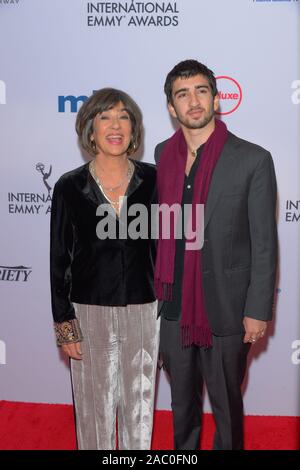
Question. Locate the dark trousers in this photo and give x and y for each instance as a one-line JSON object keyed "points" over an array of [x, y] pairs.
{"points": [[222, 367]]}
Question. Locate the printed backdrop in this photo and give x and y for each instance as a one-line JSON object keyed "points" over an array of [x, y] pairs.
{"points": [[53, 55]]}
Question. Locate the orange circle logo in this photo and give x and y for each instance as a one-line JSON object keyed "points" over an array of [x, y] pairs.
{"points": [[230, 94]]}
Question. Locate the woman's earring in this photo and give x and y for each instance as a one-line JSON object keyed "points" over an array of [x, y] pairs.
{"points": [[132, 148], [132, 145], [93, 145]]}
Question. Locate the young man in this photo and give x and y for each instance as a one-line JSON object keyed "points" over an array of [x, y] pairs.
{"points": [[215, 301]]}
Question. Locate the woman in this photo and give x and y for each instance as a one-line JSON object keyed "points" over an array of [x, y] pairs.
{"points": [[103, 299]]}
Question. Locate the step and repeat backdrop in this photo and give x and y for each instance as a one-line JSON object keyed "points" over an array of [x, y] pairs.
{"points": [[54, 54]]}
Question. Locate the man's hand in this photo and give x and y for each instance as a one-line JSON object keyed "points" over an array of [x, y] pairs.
{"points": [[73, 350], [255, 329]]}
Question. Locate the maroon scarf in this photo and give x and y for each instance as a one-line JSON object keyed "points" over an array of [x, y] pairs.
{"points": [[170, 181]]}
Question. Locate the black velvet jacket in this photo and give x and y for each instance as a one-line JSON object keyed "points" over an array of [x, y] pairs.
{"points": [[85, 269]]}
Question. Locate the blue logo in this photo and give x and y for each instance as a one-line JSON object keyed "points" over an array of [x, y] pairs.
{"points": [[71, 103]]}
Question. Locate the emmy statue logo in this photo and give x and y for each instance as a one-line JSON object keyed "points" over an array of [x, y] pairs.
{"points": [[41, 167]]}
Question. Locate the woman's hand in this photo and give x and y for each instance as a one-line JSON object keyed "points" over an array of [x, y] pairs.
{"points": [[73, 350]]}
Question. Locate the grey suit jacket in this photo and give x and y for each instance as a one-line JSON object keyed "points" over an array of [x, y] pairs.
{"points": [[239, 255]]}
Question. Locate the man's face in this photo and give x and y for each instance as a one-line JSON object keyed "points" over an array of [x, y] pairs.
{"points": [[193, 103]]}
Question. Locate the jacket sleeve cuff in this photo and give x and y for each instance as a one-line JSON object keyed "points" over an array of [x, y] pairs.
{"points": [[68, 332]]}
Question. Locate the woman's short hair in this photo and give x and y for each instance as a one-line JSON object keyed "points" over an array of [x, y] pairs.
{"points": [[103, 100]]}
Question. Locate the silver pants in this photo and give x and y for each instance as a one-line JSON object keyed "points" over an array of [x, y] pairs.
{"points": [[116, 376]]}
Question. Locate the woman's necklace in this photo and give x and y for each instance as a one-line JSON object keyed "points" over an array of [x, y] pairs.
{"points": [[113, 188], [115, 204]]}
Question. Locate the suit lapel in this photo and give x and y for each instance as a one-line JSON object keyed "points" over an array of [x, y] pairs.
{"points": [[222, 169], [90, 189]]}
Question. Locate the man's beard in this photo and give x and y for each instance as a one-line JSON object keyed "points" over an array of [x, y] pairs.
{"points": [[198, 124]]}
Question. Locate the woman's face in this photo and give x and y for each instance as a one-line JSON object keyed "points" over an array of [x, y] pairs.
{"points": [[112, 131]]}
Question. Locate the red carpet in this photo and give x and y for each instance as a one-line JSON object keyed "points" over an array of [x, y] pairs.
{"points": [[28, 426]]}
